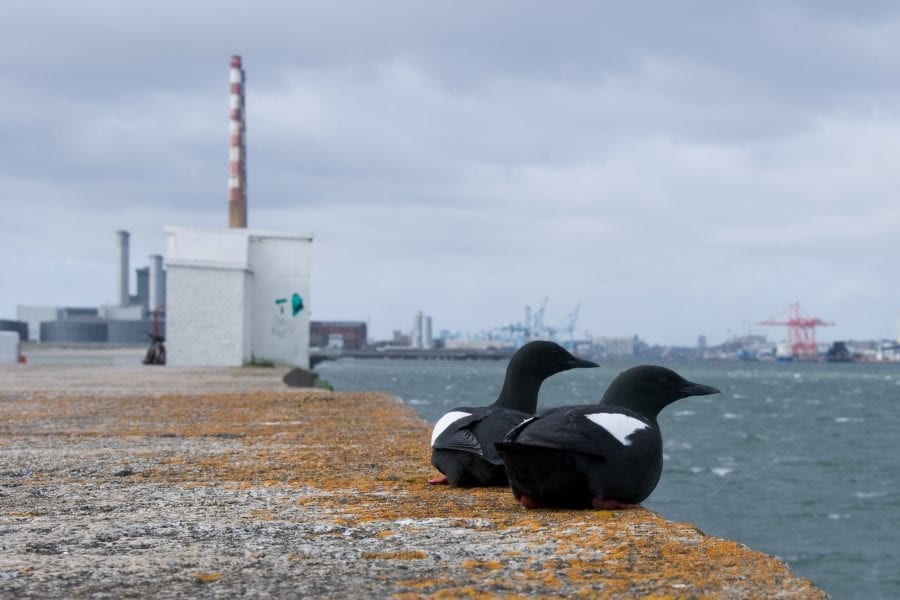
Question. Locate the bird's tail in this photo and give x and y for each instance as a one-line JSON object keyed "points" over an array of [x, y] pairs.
{"points": [[521, 464]]}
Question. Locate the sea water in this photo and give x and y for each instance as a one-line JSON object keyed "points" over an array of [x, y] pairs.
{"points": [[798, 460]]}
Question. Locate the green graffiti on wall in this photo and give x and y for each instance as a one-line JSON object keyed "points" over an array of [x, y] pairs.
{"points": [[296, 304]]}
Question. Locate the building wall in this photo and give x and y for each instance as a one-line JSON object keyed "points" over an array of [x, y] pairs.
{"points": [[9, 347], [280, 299], [205, 315], [34, 316], [223, 247], [234, 296]]}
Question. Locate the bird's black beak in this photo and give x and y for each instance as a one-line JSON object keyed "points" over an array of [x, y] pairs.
{"points": [[580, 363], [697, 389]]}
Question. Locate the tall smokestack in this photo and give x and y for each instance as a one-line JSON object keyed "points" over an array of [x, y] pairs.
{"points": [[122, 279], [157, 282], [237, 156]]}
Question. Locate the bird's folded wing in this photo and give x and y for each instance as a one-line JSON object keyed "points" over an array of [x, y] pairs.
{"points": [[568, 430], [459, 436]]}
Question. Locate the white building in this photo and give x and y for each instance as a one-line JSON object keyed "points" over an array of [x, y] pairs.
{"points": [[236, 297], [9, 347]]}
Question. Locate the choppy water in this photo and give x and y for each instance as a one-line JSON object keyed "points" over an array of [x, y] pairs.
{"points": [[796, 460]]}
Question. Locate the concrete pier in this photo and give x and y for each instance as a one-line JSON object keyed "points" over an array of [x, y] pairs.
{"points": [[143, 481]]}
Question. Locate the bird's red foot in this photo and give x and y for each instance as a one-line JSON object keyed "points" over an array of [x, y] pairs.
{"points": [[442, 480], [606, 504], [529, 502]]}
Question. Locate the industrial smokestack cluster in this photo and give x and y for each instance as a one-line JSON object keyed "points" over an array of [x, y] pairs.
{"points": [[151, 281], [237, 152]]}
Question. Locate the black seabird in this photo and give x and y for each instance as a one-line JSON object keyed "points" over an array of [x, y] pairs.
{"points": [[606, 455], [462, 441]]}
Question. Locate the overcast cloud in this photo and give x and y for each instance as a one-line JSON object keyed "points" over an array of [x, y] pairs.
{"points": [[677, 168]]}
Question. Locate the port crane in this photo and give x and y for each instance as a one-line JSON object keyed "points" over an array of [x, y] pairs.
{"points": [[535, 327], [801, 330]]}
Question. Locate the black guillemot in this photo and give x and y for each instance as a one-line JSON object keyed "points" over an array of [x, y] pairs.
{"points": [[606, 455], [462, 441]]}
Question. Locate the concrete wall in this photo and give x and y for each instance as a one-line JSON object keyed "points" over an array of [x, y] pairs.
{"points": [[206, 322], [235, 296], [9, 347], [214, 247], [280, 299]]}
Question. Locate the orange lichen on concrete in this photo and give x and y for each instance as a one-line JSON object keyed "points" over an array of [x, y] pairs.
{"points": [[363, 459], [398, 555], [482, 564], [207, 577]]}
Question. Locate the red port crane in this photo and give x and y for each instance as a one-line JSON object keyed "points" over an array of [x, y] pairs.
{"points": [[801, 330]]}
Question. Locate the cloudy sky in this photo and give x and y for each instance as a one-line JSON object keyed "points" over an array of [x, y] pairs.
{"points": [[676, 168]]}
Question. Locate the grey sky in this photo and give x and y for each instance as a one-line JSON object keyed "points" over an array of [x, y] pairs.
{"points": [[677, 168]]}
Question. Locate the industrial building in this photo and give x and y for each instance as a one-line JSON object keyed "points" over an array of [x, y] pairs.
{"points": [[609, 346], [421, 335], [126, 321], [343, 335]]}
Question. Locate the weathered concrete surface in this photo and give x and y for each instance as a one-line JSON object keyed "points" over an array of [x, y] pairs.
{"points": [[135, 481]]}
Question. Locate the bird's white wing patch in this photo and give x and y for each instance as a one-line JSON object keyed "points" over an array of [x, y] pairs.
{"points": [[444, 422], [619, 425]]}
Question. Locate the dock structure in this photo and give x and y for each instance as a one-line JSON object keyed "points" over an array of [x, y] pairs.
{"points": [[222, 482], [318, 355]]}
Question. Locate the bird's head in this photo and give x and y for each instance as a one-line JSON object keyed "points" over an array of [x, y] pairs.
{"points": [[541, 359], [529, 367], [648, 389]]}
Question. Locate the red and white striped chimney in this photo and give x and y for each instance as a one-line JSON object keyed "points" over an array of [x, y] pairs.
{"points": [[237, 154]]}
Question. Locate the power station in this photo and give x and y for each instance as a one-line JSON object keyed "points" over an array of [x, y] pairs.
{"points": [[226, 297], [126, 321]]}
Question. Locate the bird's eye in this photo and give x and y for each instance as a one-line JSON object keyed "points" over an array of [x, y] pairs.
{"points": [[664, 381]]}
